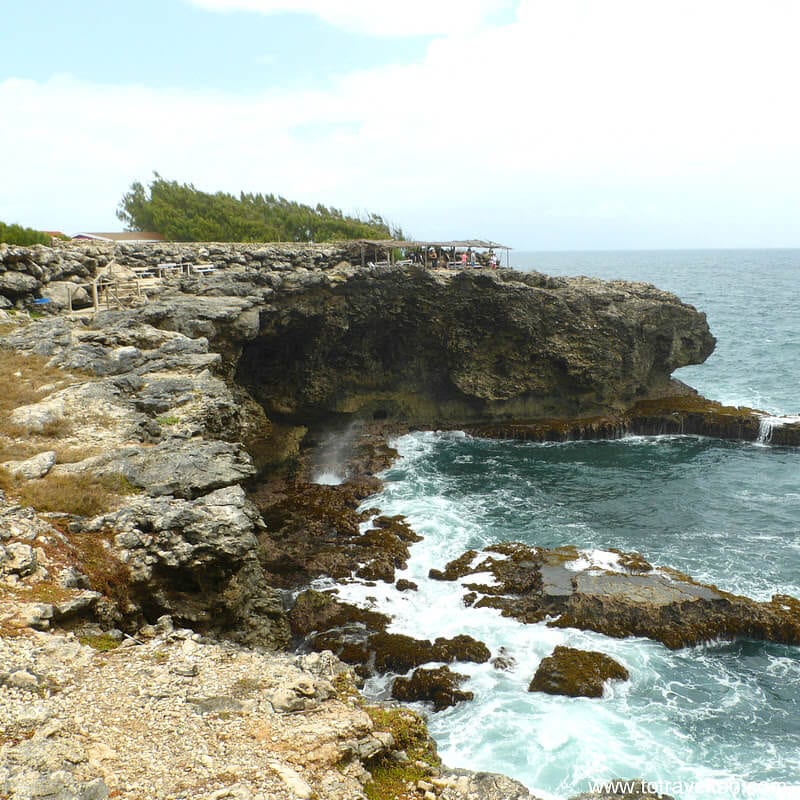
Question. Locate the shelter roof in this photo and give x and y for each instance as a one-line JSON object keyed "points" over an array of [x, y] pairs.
{"points": [[480, 244], [123, 236]]}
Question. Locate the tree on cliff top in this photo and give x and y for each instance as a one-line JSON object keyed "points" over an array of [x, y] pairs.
{"points": [[183, 213]]}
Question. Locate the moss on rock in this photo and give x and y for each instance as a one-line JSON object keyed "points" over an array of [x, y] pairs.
{"points": [[576, 673]]}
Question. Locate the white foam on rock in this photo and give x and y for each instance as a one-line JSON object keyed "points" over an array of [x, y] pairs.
{"points": [[328, 478], [595, 560]]}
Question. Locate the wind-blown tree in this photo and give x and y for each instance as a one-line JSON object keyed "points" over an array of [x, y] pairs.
{"points": [[183, 213], [16, 234]]}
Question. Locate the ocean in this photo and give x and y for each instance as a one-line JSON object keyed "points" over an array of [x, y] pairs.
{"points": [[721, 720]]}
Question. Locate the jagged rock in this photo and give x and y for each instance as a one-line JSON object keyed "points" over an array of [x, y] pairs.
{"points": [[314, 530], [20, 559], [14, 284], [72, 578], [36, 467], [374, 745], [503, 661], [438, 686], [576, 673], [184, 469], [388, 350], [561, 585], [196, 559], [321, 611]]}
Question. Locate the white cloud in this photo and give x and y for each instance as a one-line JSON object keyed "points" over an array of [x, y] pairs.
{"points": [[635, 119], [381, 18]]}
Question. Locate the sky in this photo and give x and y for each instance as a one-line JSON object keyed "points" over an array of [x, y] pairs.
{"points": [[540, 124]]}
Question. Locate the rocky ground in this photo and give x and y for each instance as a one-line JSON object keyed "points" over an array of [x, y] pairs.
{"points": [[169, 715]]}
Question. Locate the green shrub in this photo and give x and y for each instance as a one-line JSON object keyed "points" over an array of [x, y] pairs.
{"points": [[183, 213], [16, 234]]}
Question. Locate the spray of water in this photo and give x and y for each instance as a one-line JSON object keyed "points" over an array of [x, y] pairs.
{"points": [[330, 459]]}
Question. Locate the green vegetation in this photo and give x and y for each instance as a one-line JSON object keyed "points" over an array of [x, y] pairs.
{"points": [[16, 234], [102, 642], [393, 781], [183, 213]]}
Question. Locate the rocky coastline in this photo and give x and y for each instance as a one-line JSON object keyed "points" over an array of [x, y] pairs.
{"points": [[207, 406]]}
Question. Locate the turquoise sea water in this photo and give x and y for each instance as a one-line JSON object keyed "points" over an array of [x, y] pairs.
{"points": [[716, 721]]}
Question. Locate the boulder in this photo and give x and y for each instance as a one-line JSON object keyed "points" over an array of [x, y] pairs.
{"points": [[17, 559], [576, 673], [438, 686], [67, 294], [16, 284], [36, 467]]}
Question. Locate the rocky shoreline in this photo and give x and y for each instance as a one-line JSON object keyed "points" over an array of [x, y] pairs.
{"points": [[208, 410]]}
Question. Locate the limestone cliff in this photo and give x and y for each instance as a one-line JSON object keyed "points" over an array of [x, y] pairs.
{"points": [[310, 332], [433, 348]]}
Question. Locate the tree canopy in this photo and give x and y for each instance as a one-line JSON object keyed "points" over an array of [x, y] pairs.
{"points": [[183, 213], [16, 234]]}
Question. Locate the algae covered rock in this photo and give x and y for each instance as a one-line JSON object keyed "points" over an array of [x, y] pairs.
{"points": [[576, 673], [621, 595], [439, 686]]}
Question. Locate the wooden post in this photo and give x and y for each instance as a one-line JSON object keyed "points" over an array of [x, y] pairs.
{"points": [[95, 299]]}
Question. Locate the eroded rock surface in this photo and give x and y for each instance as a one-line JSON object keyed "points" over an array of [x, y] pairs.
{"points": [[439, 686], [623, 596]]}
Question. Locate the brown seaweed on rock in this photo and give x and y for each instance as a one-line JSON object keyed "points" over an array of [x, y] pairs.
{"points": [[534, 585]]}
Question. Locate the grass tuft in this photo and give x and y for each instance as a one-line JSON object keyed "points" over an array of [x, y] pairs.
{"points": [[106, 573], [80, 493]]}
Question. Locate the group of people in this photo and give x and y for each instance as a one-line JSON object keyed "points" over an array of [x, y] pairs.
{"points": [[448, 257]]}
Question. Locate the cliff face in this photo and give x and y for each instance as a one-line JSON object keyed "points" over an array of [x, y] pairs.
{"points": [[437, 347], [310, 332]]}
